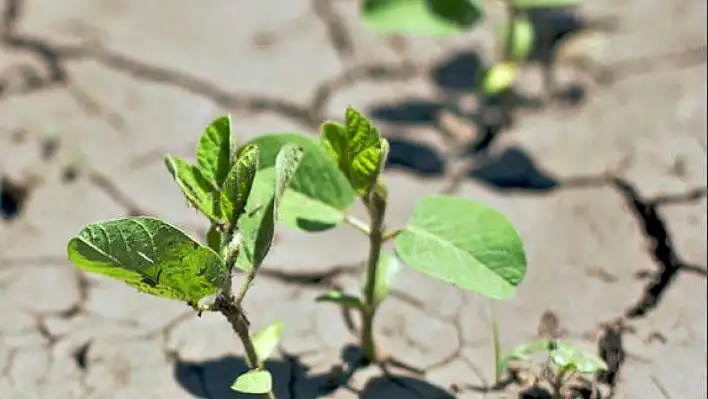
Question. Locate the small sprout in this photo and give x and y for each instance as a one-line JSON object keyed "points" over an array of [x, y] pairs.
{"points": [[254, 382]]}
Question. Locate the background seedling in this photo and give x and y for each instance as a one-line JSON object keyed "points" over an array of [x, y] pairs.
{"points": [[517, 39], [462, 242], [159, 259], [563, 362]]}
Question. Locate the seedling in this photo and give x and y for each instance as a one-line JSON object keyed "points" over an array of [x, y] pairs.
{"points": [[242, 191], [159, 259], [517, 38], [563, 363], [455, 240]]}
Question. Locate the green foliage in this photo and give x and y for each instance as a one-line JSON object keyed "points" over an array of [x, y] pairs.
{"points": [[150, 255], [500, 78], [319, 194], [214, 151], [528, 4], [388, 267], [342, 299], [254, 382], [423, 17], [257, 227], [465, 243], [196, 188], [357, 149], [524, 38], [570, 358], [238, 183], [267, 339]]}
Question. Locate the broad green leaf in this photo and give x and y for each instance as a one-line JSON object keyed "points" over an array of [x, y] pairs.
{"points": [[526, 4], [465, 243], [388, 267], [258, 227], [197, 189], [319, 194], [238, 183], [421, 17], [214, 150], [356, 148], [150, 255], [570, 357], [499, 78], [255, 382], [340, 298], [524, 352], [267, 339], [524, 37]]}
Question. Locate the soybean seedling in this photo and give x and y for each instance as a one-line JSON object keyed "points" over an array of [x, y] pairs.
{"points": [[559, 370], [516, 40], [159, 259], [452, 239]]}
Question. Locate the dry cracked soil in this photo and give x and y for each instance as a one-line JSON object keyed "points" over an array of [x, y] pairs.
{"points": [[605, 179]]}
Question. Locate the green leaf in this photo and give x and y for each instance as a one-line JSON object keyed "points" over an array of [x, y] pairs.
{"points": [[196, 188], [267, 339], [255, 382], [150, 255], [570, 357], [239, 182], [524, 352], [421, 17], [465, 243], [356, 148], [258, 227], [214, 150], [524, 37], [388, 267], [319, 194], [499, 78], [342, 299], [526, 4]]}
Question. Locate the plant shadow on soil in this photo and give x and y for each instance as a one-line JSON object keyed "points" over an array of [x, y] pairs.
{"points": [[513, 169], [291, 379]]}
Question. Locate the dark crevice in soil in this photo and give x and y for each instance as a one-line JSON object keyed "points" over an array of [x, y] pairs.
{"points": [[611, 349], [106, 185], [80, 356], [338, 35], [662, 246], [318, 279]]}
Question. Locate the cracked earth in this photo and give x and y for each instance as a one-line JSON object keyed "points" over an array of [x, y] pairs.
{"points": [[608, 192]]}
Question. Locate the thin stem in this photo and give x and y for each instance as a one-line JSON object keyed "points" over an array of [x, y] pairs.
{"points": [[226, 304], [508, 55], [369, 311], [357, 224]]}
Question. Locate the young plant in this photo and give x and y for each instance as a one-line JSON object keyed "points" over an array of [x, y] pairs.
{"points": [[452, 239], [517, 39], [159, 259], [563, 362]]}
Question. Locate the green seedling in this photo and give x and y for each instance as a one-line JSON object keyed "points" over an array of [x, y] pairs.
{"points": [[563, 362], [517, 38], [455, 240], [241, 190], [159, 259]]}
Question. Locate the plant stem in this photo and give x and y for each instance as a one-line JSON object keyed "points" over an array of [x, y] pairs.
{"points": [[369, 311], [391, 234], [357, 224], [226, 304], [506, 99]]}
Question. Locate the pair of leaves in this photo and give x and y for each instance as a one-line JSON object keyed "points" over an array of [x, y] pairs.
{"points": [[422, 17], [358, 150], [220, 183], [565, 356], [265, 342]]}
